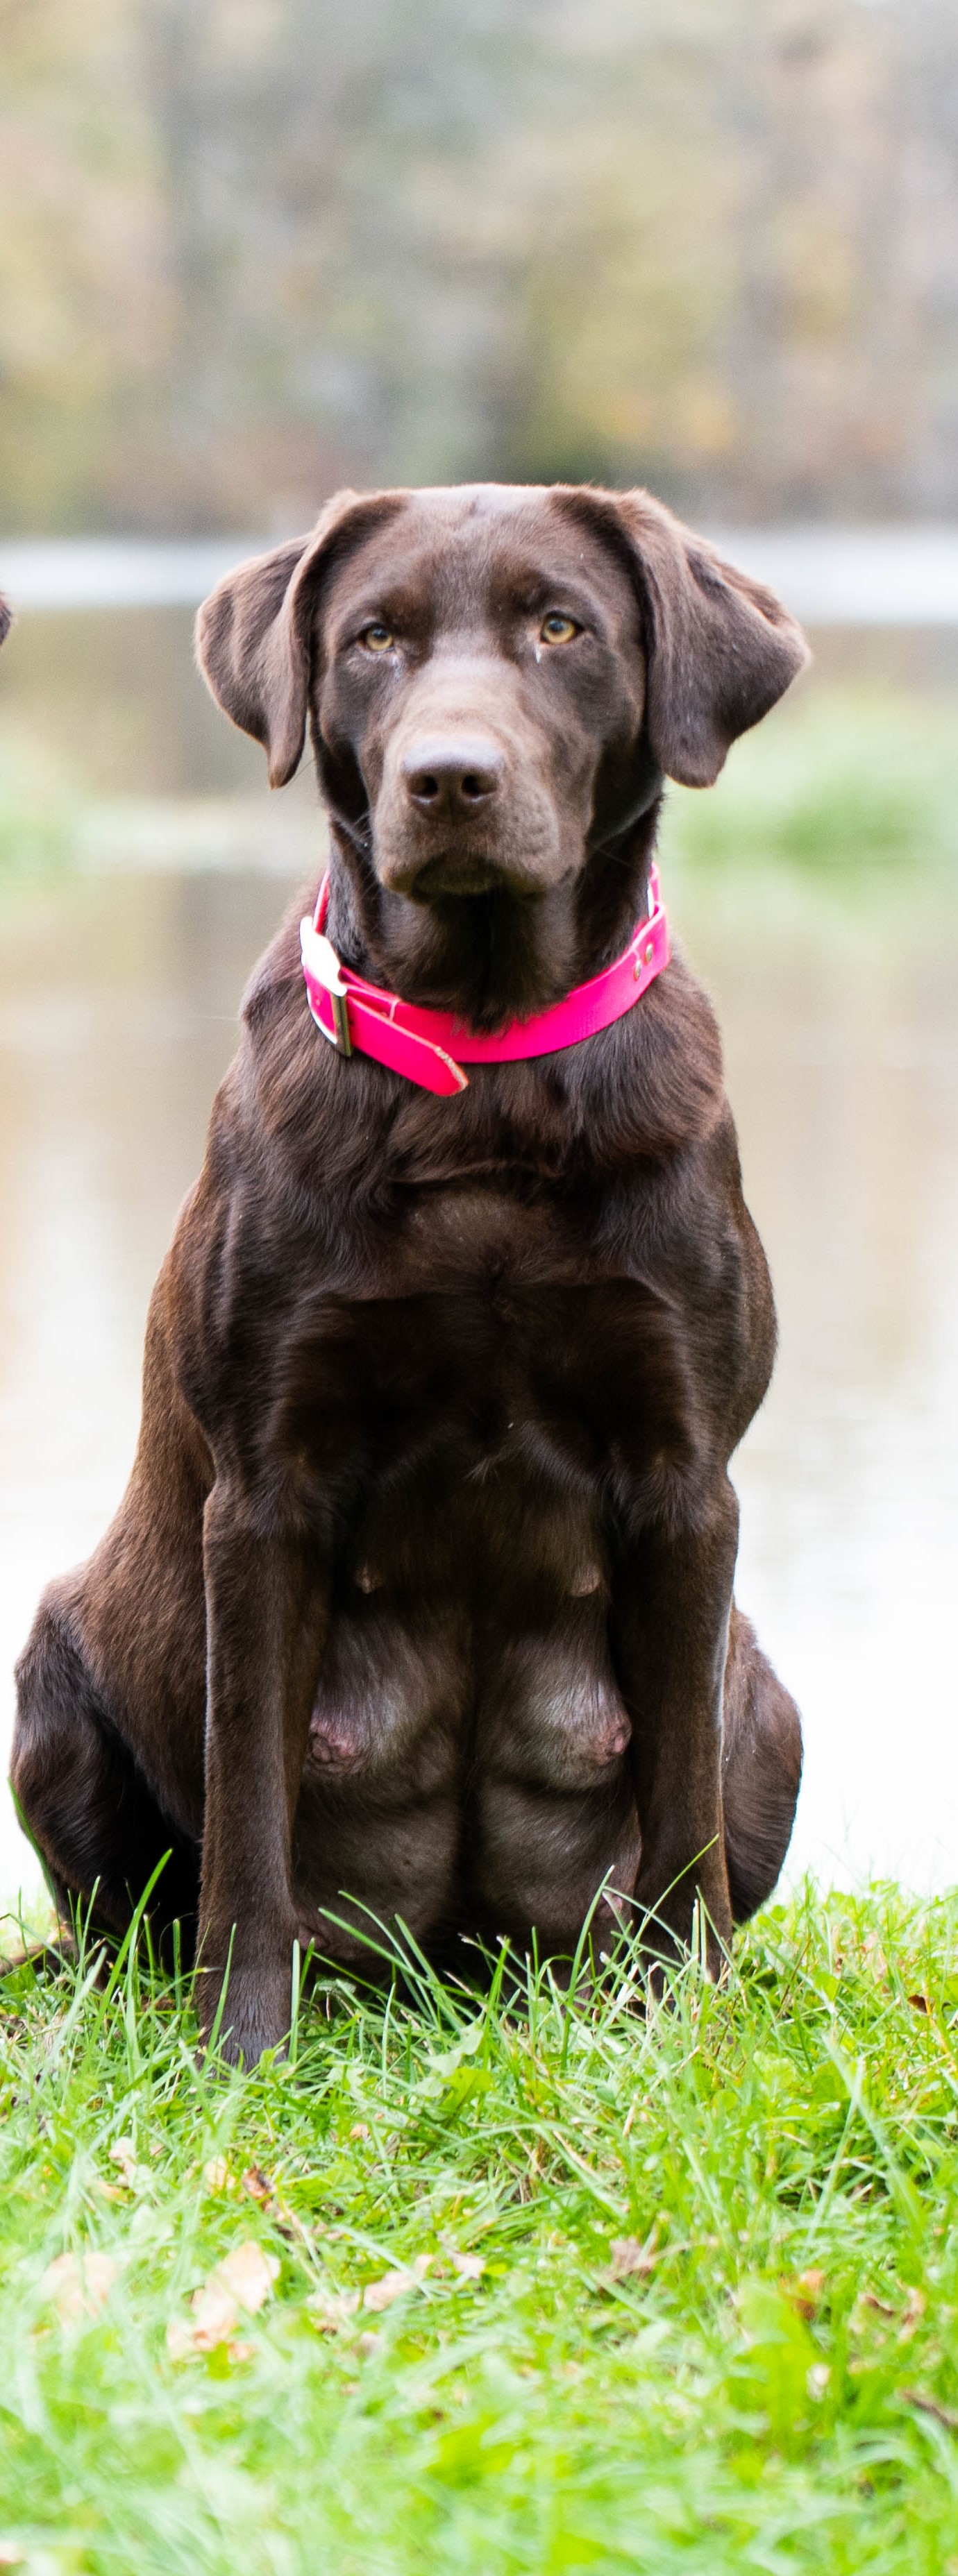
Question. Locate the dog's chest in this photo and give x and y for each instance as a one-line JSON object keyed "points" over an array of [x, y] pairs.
{"points": [[492, 1365], [460, 1441]]}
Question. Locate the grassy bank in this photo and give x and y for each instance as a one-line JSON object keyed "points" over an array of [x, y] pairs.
{"points": [[476, 2290], [840, 777]]}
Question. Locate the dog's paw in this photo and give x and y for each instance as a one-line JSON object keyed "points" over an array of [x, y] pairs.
{"points": [[679, 1926], [252, 2015]]}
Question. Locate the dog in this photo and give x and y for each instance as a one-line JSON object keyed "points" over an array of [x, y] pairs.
{"points": [[418, 1606]]}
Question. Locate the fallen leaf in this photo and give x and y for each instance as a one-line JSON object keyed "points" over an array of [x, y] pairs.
{"points": [[919, 2003], [78, 2285], [915, 2305], [930, 2406], [804, 2293], [882, 2307], [330, 2309], [359, 2129], [216, 2174], [240, 2283], [257, 2184], [263, 2191], [471, 2266], [248, 2273], [133, 2176], [182, 2340], [380, 2294], [631, 2260], [215, 2315]]}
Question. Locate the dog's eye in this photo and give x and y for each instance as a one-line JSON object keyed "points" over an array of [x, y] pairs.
{"points": [[556, 629], [377, 637]]}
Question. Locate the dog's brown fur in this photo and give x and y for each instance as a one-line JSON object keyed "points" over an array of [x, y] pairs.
{"points": [[420, 1596]]}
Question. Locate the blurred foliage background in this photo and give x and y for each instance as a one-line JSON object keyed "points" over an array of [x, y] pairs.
{"points": [[252, 247]]}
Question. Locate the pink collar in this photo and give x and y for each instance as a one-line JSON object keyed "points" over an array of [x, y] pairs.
{"points": [[418, 1043]]}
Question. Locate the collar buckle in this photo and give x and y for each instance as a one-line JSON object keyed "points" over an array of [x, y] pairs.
{"points": [[322, 963]]}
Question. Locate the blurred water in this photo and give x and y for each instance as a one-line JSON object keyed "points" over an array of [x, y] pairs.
{"points": [[118, 995]]}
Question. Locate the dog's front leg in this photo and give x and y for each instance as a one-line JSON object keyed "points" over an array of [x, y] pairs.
{"points": [[267, 1601], [670, 1633]]}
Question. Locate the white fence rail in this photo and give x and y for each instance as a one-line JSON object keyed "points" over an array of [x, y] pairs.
{"points": [[830, 576]]}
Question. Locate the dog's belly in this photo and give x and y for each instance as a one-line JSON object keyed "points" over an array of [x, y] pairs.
{"points": [[459, 1778], [468, 1755], [378, 1825], [553, 1815]]}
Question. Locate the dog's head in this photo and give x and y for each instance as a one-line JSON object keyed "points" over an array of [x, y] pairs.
{"points": [[497, 680]]}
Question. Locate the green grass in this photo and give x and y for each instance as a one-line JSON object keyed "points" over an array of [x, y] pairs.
{"points": [[781, 2157], [837, 778]]}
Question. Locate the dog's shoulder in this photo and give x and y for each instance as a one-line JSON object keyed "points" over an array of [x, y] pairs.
{"points": [[654, 1082]]}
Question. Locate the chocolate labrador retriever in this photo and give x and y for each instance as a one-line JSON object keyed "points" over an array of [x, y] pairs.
{"points": [[419, 1602]]}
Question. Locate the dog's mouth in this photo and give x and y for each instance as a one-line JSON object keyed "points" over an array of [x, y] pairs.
{"points": [[454, 875]]}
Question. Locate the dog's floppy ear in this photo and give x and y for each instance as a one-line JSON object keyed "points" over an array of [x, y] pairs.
{"points": [[254, 635], [721, 649]]}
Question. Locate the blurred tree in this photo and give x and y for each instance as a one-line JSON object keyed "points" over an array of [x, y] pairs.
{"points": [[81, 299], [252, 247]]}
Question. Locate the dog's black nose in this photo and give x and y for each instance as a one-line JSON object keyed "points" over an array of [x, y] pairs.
{"points": [[450, 776]]}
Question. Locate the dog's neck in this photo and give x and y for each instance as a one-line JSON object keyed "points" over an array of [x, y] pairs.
{"points": [[493, 957]]}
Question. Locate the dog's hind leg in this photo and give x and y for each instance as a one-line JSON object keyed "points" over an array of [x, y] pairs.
{"points": [[761, 1769], [82, 1799]]}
